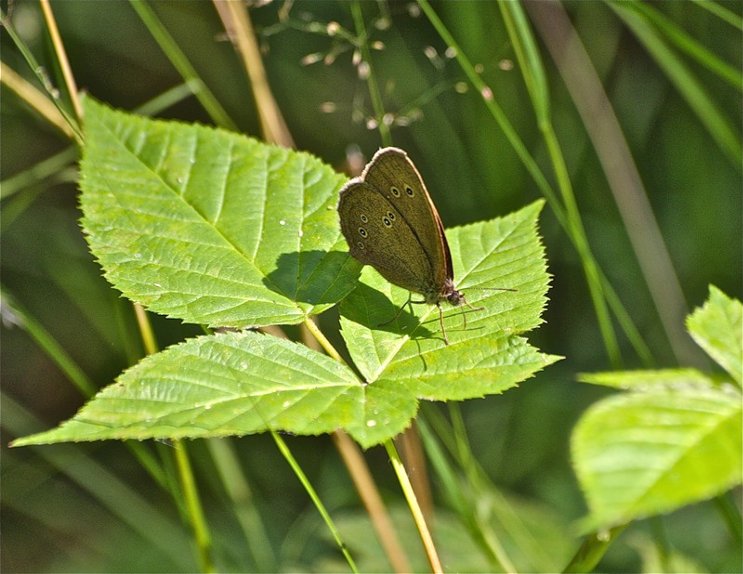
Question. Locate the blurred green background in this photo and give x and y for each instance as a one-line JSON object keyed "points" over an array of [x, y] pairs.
{"points": [[91, 507]]}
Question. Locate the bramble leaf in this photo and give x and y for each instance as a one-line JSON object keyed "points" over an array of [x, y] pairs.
{"points": [[209, 226]]}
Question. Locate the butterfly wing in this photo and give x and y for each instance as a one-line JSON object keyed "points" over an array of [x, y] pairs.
{"points": [[378, 235], [393, 174]]}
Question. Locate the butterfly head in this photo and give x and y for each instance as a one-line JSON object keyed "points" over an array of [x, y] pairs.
{"points": [[450, 293]]}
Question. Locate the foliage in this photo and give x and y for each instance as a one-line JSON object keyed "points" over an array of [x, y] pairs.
{"points": [[201, 224], [630, 133], [676, 436]]}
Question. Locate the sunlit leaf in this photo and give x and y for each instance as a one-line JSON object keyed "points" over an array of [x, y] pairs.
{"points": [[208, 226], [674, 439], [717, 327]]}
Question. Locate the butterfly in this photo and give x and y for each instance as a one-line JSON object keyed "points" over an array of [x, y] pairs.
{"points": [[390, 223]]}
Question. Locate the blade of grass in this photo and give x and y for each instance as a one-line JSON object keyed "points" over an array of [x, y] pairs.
{"points": [[374, 93], [498, 114], [238, 489], [187, 485], [195, 511], [181, 63], [13, 313], [165, 100], [622, 175], [689, 45], [721, 12], [568, 217], [531, 67], [454, 440], [113, 494], [40, 171], [685, 82], [464, 499], [372, 500], [38, 70], [420, 521], [286, 453]]}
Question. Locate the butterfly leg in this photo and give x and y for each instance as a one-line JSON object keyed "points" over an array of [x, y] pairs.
{"points": [[441, 322], [464, 315], [408, 302]]}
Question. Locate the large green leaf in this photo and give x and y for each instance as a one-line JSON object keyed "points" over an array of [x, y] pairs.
{"points": [[407, 359], [639, 454], [208, 226], [218, 385], [239, 383], [675, 439], [485, 355]]}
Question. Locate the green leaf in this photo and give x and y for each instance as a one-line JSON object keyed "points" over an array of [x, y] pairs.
{"points": [[639, 454], [219, 385], [674, 439], [647, 380], [208, 226], [407, 359], [504, 252], [717, 327]]}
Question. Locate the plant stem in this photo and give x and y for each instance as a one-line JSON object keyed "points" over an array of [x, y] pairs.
{"points": [[415, 509], [592, 549], [323, 340], [284, 450], [145, 329], [239, 28], [62, 58], [185, 474], [373, 502], [181, 63], [41, 75], [35, 99], [195, 512]]}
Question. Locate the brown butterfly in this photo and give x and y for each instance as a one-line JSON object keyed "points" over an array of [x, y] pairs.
{"points": [[390, 223]]}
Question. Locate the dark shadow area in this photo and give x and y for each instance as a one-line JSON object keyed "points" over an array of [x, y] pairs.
{"points": [[315, 277], [374, 310]]}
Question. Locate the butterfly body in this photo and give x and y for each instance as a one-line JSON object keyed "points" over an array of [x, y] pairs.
{"points": [[390, 223]]}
